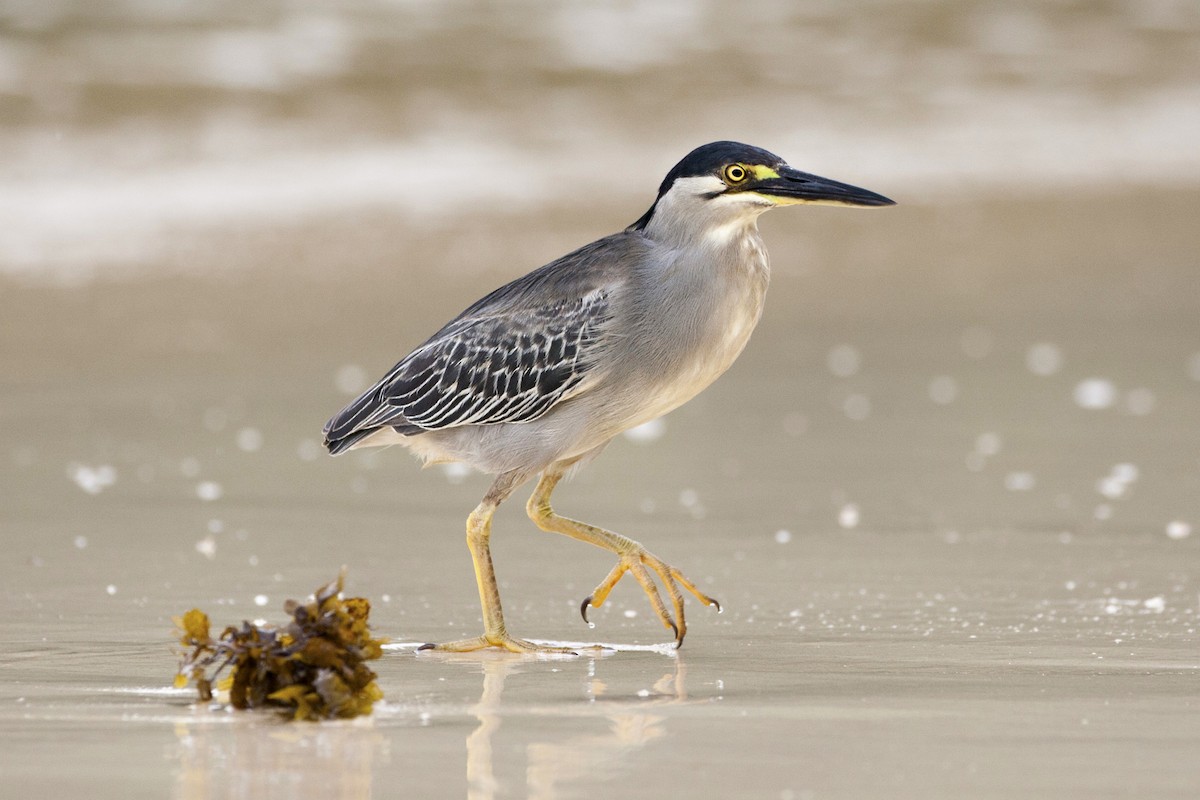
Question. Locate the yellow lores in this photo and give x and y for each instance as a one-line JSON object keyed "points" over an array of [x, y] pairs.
{"points": [[762, 172]]}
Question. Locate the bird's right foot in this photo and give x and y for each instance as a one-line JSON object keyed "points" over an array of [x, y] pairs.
{"points": [[641, 562]]}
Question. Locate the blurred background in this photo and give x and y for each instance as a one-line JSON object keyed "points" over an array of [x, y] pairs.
{"points": [[128, 121], [220, 220], [223, 217]]}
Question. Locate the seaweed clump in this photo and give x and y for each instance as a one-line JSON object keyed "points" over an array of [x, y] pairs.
{"points": [[314, 667]]}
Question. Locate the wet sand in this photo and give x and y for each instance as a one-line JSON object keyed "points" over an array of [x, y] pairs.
{"points": [[948, 496], [931, 598]]}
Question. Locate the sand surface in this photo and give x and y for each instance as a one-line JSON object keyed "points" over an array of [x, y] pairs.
{"points": [[948, 496]]}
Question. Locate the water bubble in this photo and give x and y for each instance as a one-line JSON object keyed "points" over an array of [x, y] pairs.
{"points": [[24, 456], [92, 480], [1178, 529], [795, 424], [783, 537], [1140, 401], [1103, 512], [215, 419], [208, 490], [1095, 393], [857, 407], [844, 360], [308, 450], [367, 459], [350, 379], [630, 613], [81, 542], [943, 390], [111, 589], [689, 498], [1044, 359], [1156, 604], [216, 526], [1115, 484], [988, 444], [647, 432], [1125, 472], [976, 342], [1019, 481], [249, 440], [455, 471], [207, 547], [848, 516], [261, 599]]}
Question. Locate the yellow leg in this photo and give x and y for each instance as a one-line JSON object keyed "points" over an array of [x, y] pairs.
{"points": [[479, 532], [632, 558]]}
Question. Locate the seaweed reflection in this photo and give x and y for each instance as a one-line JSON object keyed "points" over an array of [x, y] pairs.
{"points": [[247, 760]]}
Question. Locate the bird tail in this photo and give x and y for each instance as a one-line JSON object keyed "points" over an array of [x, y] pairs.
{"points": [[341, 444], [346, 429], [365, 415]]}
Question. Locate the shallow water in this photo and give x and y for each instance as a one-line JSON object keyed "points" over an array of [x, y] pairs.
{"points": [[947, 497]]}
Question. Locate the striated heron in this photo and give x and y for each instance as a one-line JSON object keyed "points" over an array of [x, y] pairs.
{"points": [[538, 376]]}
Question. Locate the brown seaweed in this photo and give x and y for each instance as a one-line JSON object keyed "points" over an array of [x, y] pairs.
{"points": [[314, 667]]}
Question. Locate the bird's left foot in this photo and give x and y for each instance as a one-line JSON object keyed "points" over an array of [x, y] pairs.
{"points": [[641, 562], [502, 641]]}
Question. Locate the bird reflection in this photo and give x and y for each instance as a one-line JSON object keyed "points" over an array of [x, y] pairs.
{"points": [[572, 720], [560, 761]]}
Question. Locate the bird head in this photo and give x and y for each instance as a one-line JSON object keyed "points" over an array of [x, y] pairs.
{"points": [[722, 181]]}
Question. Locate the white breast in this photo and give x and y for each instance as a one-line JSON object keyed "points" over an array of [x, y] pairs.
{"points": [[722, 327]]}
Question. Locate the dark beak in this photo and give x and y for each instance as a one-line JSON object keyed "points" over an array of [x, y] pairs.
{"points": [[794, 186]]}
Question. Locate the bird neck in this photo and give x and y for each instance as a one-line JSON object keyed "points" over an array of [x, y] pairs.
{"points": [[719, 236], [730, 251]]}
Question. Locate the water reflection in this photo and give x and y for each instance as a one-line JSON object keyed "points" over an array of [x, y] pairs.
{"points": [[594, 732], [553, 765], [252, 760]]}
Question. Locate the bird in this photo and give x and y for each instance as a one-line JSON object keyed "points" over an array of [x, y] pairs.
{"points": [[533, 380]]}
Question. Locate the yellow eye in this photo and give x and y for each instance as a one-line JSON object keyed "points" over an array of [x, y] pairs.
{"points": [[735, 173]]}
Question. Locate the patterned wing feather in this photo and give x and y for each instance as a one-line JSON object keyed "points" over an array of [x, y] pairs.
{"points": [[510, 366]]}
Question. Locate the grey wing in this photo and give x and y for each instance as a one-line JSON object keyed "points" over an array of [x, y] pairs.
{"points": [[511, 366]]}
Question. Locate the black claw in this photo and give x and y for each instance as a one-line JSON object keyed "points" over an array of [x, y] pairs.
{"points": [[675, 630], [587, 602], [426, 646], [712, 601]]}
